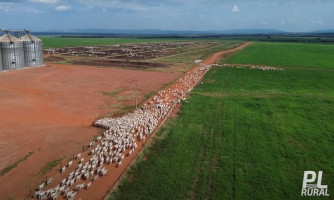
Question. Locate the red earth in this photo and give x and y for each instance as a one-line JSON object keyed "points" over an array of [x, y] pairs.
{"points": [[49, 111]]}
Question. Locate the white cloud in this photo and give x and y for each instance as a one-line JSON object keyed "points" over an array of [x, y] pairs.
{"points": [[5, 6], [63, 8], [264, 22], [289, 21], [283, 22], [10, 7], [32, 10], [134, 5], [44, 1], [317, 22], [235, 9]]}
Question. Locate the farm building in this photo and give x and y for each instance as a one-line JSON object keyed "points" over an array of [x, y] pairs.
{"points": [[20, 53]]}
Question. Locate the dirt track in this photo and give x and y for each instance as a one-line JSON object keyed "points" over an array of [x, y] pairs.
{"points": [[49, 110], [216, 57]]}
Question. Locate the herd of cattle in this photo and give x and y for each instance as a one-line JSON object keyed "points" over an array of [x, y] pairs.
{"points": [[264, 68], [133, 50], [119, 140]]}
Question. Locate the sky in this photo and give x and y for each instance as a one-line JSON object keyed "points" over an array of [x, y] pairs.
{"points": [[198, 15]]}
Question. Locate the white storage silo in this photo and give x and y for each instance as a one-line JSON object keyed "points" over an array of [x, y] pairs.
{"points": [[33, 50], [12, 52], [0, 60]]}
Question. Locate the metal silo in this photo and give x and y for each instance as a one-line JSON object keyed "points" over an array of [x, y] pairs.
{"points": [[12, 52], [0, 60], [33, 50]]}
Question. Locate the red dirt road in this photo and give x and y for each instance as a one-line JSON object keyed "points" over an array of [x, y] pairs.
{"points": [[216, 56], [49, 110]]}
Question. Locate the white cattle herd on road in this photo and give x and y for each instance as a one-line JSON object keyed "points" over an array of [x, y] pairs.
{"points": [[119, 140]]}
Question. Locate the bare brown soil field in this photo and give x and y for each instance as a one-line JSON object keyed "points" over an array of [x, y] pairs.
{"points": [[49, 111]]}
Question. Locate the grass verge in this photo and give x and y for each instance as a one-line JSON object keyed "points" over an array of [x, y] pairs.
{"points": [[49, 166], [11, 166], [113, 93]]}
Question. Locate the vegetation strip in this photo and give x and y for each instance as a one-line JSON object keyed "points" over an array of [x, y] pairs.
{"points": [[49, 166], [113, 93], [11, 166]]}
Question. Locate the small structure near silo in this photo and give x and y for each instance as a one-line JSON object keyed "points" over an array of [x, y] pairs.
{"points": [[20, 53]]}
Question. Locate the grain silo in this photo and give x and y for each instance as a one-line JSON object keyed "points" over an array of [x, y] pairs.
{"points": [[33, 50], [0, 60], [12, 52]]}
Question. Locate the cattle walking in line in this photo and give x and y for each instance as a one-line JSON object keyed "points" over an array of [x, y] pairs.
{"points": [[121, 137]]}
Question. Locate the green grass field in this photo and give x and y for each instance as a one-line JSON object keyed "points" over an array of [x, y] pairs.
{"points": [[286, 54], [245, 134]]}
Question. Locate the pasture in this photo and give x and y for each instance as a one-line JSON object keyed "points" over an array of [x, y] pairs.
{"points": [[286, 54], [244, 133]]}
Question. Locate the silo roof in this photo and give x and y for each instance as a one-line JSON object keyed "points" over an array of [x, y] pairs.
{"points": [[29, 37], [8, 38]]}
